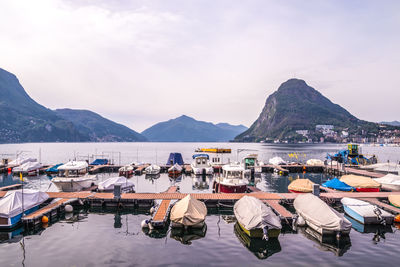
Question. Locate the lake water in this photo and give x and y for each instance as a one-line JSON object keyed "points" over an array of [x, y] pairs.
{"points": [[96, 237]]}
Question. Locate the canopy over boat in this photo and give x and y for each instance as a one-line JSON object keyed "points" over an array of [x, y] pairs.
{"points": [[314, 162], [336, 184], [188, 211], [359, 181], [109, 184], [319, 216], [54, 168], [99, 162], [175, 158], [11, 203], [277, 161], [21, 160], [364, 208], [28, 166], [301, 185], [394, 200], [252, 213], [73, 165], [200, 156], [126, 168]]}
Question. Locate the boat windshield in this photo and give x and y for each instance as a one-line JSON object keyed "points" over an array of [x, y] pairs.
{"points": [[233, 174], [71, 173]]}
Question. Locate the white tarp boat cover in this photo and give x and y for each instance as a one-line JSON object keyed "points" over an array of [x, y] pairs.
{"points": [[11, 203], [188, 211], [175, 167], [389, 179], [277, 161], [73, 165], [19, 161], [363, 208], [359, 181], [301, 185], [126, 168], [28, 166], [319, 215], [314, 162], [252, 213], [110, 182]]}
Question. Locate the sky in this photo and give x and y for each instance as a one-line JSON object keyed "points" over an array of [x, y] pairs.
{"points": [[142, 62]]}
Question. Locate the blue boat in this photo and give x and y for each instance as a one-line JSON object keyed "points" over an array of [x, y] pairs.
{"points": [[338, 185], [53, 169], [175, 158], [100, 162], [12, 208]]}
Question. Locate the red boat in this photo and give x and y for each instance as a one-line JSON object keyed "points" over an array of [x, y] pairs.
{"points": [[232, 181], [362, 189], [126, 171], [175, 170]]}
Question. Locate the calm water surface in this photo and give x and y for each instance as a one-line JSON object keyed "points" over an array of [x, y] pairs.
{"points": [[108, 238]]}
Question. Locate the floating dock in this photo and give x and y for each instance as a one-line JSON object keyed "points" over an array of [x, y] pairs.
{"points": [[161, 214]]}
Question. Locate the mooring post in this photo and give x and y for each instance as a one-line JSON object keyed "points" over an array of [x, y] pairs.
{"points": [[117, 191], [316, 190]]}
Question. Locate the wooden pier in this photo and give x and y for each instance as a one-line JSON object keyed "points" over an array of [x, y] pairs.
{"points": [[161, 215], [11, 187]]}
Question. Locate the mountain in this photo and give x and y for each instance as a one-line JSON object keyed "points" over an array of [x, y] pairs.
{"points": [[297, 106], [187, 129], [99, 129], [24, 120], [391, 123]]}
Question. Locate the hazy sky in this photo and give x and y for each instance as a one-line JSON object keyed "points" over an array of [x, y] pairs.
{"points": [[141, 62]]}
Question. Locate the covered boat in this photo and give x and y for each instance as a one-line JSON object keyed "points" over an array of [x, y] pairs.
{"points": [[21, 160], [389, 182], [315, 162], [256, 219], [152, 169], [126, 171], [53, 169], [175, 170], [30, 168], [174, 158], [277, 161], [201, 165], [394, 200], [100, 162], [364, 212], [232, 179], [73, 176], [361, 183], [14, 203], [319, 216], [108, 184], [188, 212], [301, 186], [336, 184]]}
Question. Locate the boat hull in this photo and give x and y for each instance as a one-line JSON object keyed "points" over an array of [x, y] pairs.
{"points": [[222, 188], [390, 187], [258, 233], [7, 223], [365, 219], [206, 171], [297, 192], [72, 184], [361, 189], [126, 174]]}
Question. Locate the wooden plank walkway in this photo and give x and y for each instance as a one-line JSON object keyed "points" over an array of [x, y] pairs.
{"points": [[363, 172], [11, 187], [161, 215], [281, 210], [382, 205]]}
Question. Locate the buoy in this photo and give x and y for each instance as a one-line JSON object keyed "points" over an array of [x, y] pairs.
{"points": [[69, 208], [397, 218], [45, 219], [145, 224]]}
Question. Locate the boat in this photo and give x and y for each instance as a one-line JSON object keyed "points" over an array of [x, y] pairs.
{"points": [[18, 203], [336, 184], [175, 158], [201, 165], [369, 228], [301, 186], [365, 212], [361, 183], [319, 216], [30, 168], [73, 176], [152, 170], [389, 182], [126, 171], [108, 185], [232, 179], [53, 169], [277, 161], [394, 200], [257, 219], [20, 160], [188, 212], [260, 248], [214, 150], [327, 242], [98, 162], [315, 162], [175, 170], [251, 162]]}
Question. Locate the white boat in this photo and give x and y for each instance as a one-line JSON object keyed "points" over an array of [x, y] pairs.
{"points": [[126, 171], [319, 216], [251, 162], [257, 219], [389, 182], [201, 165], [188, 212], [232, 180], [315, 162], [152, 169], [108, 185], [20, 160], [30, 168], [73, 176], [277, 161], [365, 212], [175, 170], [17, 203]]}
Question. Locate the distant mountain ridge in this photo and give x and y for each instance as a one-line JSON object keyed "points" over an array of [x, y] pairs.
{"points": [[187, 129], [391, 123], [296, 106], [98, 128]]}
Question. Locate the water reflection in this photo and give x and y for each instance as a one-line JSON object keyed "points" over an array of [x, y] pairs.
{"points": [[378, 230], [11, 236], [186, 236], [201, 182], [261, 248], [152, 177], [327, 242], [156, 233]]}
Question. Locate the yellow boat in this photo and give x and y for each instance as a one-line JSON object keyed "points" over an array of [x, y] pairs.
{"points": [[258, 232], [214, 150]]}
